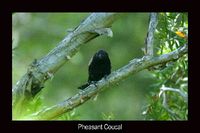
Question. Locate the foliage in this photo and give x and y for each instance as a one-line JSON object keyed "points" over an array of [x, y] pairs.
{"points": [[173, 74]]}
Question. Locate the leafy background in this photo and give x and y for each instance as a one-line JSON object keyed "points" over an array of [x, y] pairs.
{"points": [[35, 34]]}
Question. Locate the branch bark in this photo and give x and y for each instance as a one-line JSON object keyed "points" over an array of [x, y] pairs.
{"points": [[82, 96], [41, 70]]}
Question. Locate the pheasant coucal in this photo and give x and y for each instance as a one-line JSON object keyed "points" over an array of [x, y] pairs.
{"points": [[99, 67]]}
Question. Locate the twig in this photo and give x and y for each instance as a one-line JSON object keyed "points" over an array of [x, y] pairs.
{"points": [[183, 94], [163, 89]]}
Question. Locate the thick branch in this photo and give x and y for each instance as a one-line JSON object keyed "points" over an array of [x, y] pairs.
{"points": [[41, 70], [150, 34], [133, 67]]}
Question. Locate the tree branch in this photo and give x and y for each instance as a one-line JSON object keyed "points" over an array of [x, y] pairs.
{"points": [[41, 70], [82, 96], [153, 21]]}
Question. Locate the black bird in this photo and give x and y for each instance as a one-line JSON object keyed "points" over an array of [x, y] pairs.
{"points": [[99, 67]]}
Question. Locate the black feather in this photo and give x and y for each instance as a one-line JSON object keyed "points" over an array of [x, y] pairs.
{"points": [[99, 67]]}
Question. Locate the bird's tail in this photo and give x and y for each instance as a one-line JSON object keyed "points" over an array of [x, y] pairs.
{"points": [[84, 86]]}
